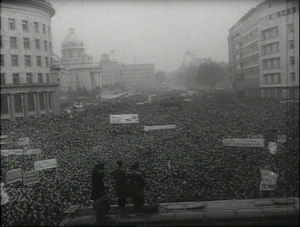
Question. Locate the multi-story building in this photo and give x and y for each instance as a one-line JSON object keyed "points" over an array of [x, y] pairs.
{"points": [[28, 85], [279, 48], [138, 76], [264, 50], [110, 70], [82, 71]]}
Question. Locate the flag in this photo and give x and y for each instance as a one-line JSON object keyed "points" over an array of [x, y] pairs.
{"points": [[272, 147]]}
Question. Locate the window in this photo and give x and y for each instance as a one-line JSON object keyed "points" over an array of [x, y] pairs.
{"points": [[46, 60], [44, 28], [36, 26], [13, 42], [50, 47], [14, 60], [292, 60], [294, 10], [46, 45], [293, 77], [25, 25], [40, 78], [2, 79], [1, 59], [278, 14], [288, 11], [283, 13], [51, 61], [29, 78], [37, 44], [0, 41], [291, 28], [27, 60], [12, 24], [49, 31], [48, 77], [26, 43], [16, 78], [291, 44], [38, 60]]}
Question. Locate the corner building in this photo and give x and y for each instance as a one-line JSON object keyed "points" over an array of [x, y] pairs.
{"points": [[28, 86], [266, 62]]}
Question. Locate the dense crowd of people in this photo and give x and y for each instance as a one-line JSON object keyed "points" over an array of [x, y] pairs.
{"points": [[217, 172]]}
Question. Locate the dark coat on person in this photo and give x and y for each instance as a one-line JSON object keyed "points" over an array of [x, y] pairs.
{"points": [[97, 182], [120, 178]]}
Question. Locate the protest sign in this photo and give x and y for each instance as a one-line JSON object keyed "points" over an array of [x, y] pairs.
{"points": [[269, 179], [31, 177], [158, 127], [11, 152], [13, 175], [272, 147], [124, 118], [243, 142], [257, 136], [187, 100], [23, 141], [3, 139], [140, 103], [45, 164], [32, 151], [281, 138]]}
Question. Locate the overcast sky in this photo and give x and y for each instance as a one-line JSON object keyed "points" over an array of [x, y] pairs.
{"points": [[158, 32]]}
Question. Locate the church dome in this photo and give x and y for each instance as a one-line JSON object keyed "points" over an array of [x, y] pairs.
{"points": [[71, 40]]}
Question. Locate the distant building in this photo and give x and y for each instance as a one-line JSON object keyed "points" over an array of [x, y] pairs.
{"points": [[82, 71], [28, 85], [138, 76], [264, 50], [110, 70]]}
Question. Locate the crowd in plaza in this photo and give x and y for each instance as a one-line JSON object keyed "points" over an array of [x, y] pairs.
{"points": [[217, 172]]}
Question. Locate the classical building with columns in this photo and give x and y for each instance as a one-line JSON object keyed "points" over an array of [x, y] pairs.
{"points": [[82, 71], [28, 84]]}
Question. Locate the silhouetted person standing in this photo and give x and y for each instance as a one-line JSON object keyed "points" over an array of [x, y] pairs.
{"points": [[142, 197], [120, 178], [136, 185], [101, 207], [97, 181]]}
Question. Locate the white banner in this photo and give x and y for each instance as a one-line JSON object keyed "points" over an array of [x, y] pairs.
{"points": [[243, 142], [32, 151], [45, 164], [3, 139], [158, 127], [140, 103], [272, 147], [31, 177], [95, 149], [257, 136], [124, 118], [268, 181], [24, 141], [13, 176], [11, 152], [187, 100], [281, 138]]}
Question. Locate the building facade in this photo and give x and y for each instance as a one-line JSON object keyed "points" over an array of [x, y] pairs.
{"points": [[28, 85], [264, 50], [110, 71], [82, 72], [138, 76]]}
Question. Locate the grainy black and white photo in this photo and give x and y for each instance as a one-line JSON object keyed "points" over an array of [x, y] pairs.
{"points": [[149, 113]]}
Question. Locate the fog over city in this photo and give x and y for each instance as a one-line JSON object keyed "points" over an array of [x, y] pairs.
{"points": [[158, 32]]}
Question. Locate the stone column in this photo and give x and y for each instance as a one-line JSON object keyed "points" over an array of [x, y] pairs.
{"points": [[12, 107], [25, 104], [37, 104], [47, 103]]}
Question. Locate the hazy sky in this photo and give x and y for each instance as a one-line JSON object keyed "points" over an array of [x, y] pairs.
{"points": [[158, 32]]}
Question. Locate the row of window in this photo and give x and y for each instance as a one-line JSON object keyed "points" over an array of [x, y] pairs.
{"points": [[29, 79], [270, 33], [278, 14], [272, 78], [26, 25], [271, 48], [31, 102], [72, 54], [274, 3], [251, 60], [13, 41], [272, 63], [27, 61], [252, 70], [250, 48]]}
